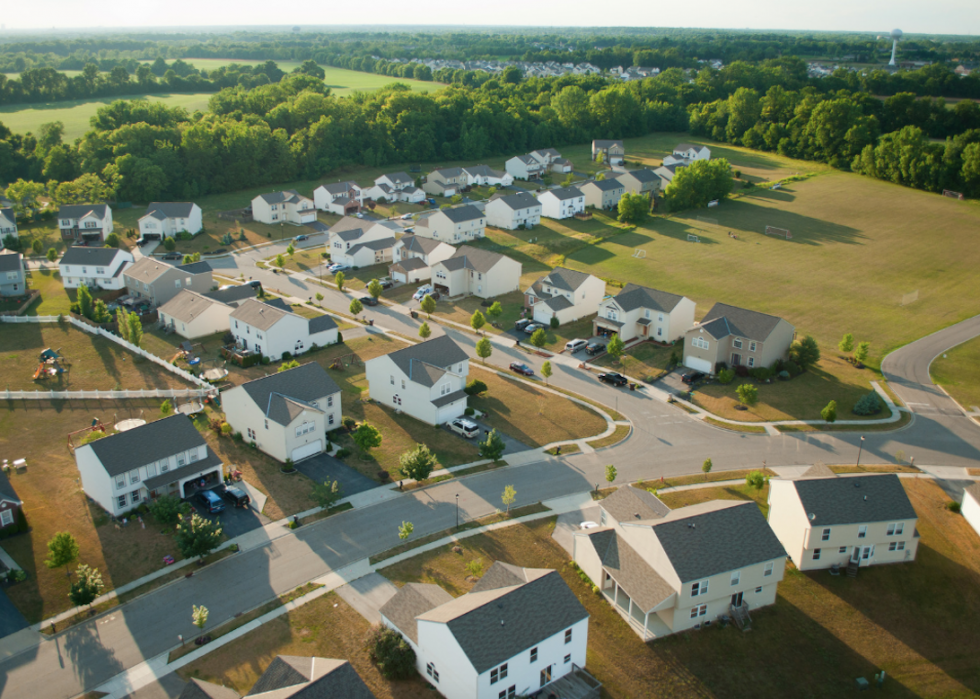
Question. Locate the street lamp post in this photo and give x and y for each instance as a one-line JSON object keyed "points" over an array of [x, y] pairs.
{"points": [[860, 447], [457, 510]]}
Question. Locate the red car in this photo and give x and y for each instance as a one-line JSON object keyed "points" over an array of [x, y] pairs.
{"points": [[522, 369]]}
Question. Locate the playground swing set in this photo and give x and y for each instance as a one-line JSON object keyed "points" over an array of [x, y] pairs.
{"points": [[51, 363]]}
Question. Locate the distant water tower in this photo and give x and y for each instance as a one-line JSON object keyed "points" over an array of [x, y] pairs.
{"points": [[896, 37]]}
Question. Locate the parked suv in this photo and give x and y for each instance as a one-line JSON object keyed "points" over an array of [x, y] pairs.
{"points": [[464, 427], [575, 345], [211, 502], [692, 377], [236, 496]]}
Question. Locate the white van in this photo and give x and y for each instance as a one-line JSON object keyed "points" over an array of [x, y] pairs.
{"points": [[573, 346]]}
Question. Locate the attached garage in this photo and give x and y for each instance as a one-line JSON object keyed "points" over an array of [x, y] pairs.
{"points": [[307, 450], [699, 364]]}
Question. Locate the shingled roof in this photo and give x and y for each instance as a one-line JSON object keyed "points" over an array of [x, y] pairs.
{"points": [[468, 257], [640, 581], [199, 689], [521, 200], [81, 210], [426, 362], [854, 500], [605, 185], [634, 296], [169, 209], [411, 601], [564, 193], [121, 452], [96, 257], [11, 261], [629, 504], [286, 394], [461, 214], [290, 676], [503, 574], [724, 320]]}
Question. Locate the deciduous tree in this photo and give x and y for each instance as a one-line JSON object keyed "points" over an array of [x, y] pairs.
{"points": [[546, 371], [62, 551], [418, 463], [508, 496], [197, 536], [425, 331], [366, 437], [492, 447], [484, 348]]}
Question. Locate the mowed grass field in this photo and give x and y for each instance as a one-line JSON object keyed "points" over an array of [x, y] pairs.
{"points": [[958, 371]]}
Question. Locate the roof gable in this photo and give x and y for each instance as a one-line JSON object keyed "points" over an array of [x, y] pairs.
{"points": [[634, 296], [741, 322], [426, 361], [295, 390]]}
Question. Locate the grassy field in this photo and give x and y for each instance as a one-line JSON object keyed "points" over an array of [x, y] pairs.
{"points": [[958, 371], [647, 360]]}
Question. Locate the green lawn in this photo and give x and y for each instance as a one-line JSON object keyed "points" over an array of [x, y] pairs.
{"points": [[958, 371], [646, 360]]}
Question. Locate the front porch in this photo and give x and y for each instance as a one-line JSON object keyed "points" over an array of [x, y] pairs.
{"points": [[647, 625]]}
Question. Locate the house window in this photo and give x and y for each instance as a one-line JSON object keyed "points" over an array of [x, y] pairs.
{"points": [[700, 342], [498, 673], [816, 554], [330, 419], [135, 495], [751, 361], [176, 283], [751, 347], [568, 636], [534, 655], [445, 389], [181, 460], [6, 518], [568, 658], [660, 317], [430, 669], [121, 501], [768, 570], [134, 476], [251, 434], [329, 401], [825, 536], [863, 531], [699, 588], [121, 482], [508, 693], [895, 529], [737, 344], [403, 384], [842, 549], [267, 424], [546, 676], [896, 546], [699, 611], [758, 590], [736, 577], [396, 399], [151, 470], [392, 379], [611, 314], [646, 313]]}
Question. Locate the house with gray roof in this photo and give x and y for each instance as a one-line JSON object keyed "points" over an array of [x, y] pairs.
{"points": [[454, 225], [644, 181], [639, 312], [603, 194], [614, 152], [292, 677], [414, 255], [486, 175], [96, 268], [287, 415], [445, 182], [287, 206], [396, 186], [517, 632], [736, 336], [425, 380], [513, 211], [88, 223], [191, 314], [13, 277], [159, 281], [477, 272], [687, 153], [166, 457], [341, 198], [273, 329], [525, 167], [167, 219], [8, 223], [843, 521], [666, 173], [667, 571], [360, 243], [562, 202], [565, 294]]}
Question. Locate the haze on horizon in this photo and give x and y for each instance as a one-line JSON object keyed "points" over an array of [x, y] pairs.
{"points": [[960, 17]]}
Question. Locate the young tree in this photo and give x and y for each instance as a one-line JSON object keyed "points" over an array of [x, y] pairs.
{"points": [[100, 312], [428, 305], [168, 509], [286, 366], [199, 615], [356, 307], [392, 654], [706, 468], [374, 288], [456, 198], [861, 352], [291, 250], [87, 586], [756, 479], [425, 331], [418, 463], [405, 530], [495, 310], [37, 246], [52, 255], [805, 352], [633, 207], [85, 302], [62, 551], [611, 473], [339, 279], [847, 343], [569, 178], [615, 347], [484, 348], [326, 494], [112, 240], [477, 321], [546, 371], [829, 413], [600, 158], [135, 329], [280, 261], [122, 323], [492, 447], [508, 496], [539, 338], [747, 394], [197, 536], [166, 407], [169, 244], [366, 437]]}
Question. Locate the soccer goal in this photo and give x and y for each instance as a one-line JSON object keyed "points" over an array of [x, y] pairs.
{"points": [[691, 238], [710, 221], [639, 254], [781, 232], [911, 297]]}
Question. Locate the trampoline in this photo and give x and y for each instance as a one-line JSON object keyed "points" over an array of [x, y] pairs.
{"points": [[214, 374], [130, 424]]}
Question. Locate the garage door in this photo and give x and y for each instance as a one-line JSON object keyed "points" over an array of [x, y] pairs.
{"points": [[307, 450], [698, 364]]}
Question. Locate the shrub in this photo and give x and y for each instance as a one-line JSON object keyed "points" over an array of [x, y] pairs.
{"points": [[343, 453], [830, 412], [760, 373], [953, 507], [747, 394], [225, 428], [468, 411], [741, 371], [348, 422], [554, 323], [793, 368], [391, 653], [756, 479], [286, 356], [475, 388], [869, 404], [726, 376]]}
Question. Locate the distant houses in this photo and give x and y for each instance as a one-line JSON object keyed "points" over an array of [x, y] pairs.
{"points": [[687, 153], [446, 182], [167, 219], [85, 223], [537, 164], [613, 152], [395, 187], [484, 175], [359, 242], [340, 198]]}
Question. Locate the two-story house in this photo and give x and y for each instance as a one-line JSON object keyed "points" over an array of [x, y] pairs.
{"points": [[614, 152], [552, 161], [446, 182], [11, 506], [286, 415], [272, 329], [524, 167], [459, 224], [563, 202], [565, 294], [827, 520], [485, 175], [735, 336], [687, 153], [288, 206], [341, 198], [414, 255], [644, 181], [291, 677], [13, 278], [88, 223], [96, 268], [166, 457], [472, 271], [360, 243], [603, 194], [192, 315], [8, 224], [518, 632], [511, 211], [160, 281], [167, 219], [667, 571], [425, 380], [640, 312], [396, 186], [666, 173]]}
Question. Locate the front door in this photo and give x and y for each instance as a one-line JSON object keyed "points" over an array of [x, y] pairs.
{"points": [[862, 554], [737, 599], [736, 359], [546, 676]]}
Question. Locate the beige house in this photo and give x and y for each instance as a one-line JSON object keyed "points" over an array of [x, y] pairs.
{"points": [[446, 182], [736, 336], [667, 571], [478, 272], [644, 181], [192, 315], [565, 294], [603, 194], [287, 415], [614, 151], [288, 206], [825, 520], [641, 312], [413, 257], [459, 224], [160, 281]]}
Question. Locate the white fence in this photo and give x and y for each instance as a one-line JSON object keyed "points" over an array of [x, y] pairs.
{"points": [[95, 395], [205, 386]]}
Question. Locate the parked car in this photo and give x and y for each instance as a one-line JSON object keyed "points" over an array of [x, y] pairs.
{"points": [[530, 328], [407, 217], [386, 282], [337, 267], [211, 502], [142, 241], [594, 348], [359, 214], [301, 238], [522, 369], [255, 284], [521, 324], [614, 379], [174, 256], [369, 301], [422, 292], [692, 377], [236, 496], [464, 427], [575, 345]]}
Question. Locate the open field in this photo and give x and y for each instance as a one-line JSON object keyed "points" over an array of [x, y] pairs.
{"points": [[646, 360], [958, 371]]}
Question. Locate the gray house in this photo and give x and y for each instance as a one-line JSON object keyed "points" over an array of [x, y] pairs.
{"points": [[160, 281], [12, 279]]}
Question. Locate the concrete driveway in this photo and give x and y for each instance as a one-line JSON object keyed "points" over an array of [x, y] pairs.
{"points": [[11, 620], [672, 382], [234, 521], [368, 594], [324, 467]]}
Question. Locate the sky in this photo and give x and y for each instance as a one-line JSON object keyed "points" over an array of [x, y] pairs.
{"points": [[877, 16]]}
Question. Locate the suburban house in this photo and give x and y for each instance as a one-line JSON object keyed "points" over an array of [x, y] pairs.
{"points": [[459, 224], [603, 194], [13, 278], [649, 314], [360, 243], [167, 219], [512, 211], [517, 632], [89, 223], [552, 160], [166, 457], [824, 520], [687, 153], [425, 380], [564, 294], [614, 152], [10, 504], [160, 281], [341, 198], [8, 224], [96, 268], [396, 186], [414, 255], [291, 677], [735, 336], [644, 181], [524, 167], [286, 415], [485, 175], [446, 182], [270, 328], [478, 272], [192, 315], [666, 173], [970, 506], [563, 202], [288, 206], [667, 571]]}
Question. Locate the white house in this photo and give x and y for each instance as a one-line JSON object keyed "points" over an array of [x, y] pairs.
{"points": [[687, 153], [13, 277], [167, 219], [511, 211], [459, 224], [970, 507], [667, 571], [564, 294], [425, 380], [287, 415], [446, 182], [359, 242], [193, 314], [485, 175], [341, 198], [288, 206], [824, 520], [90, 223], [641, 312], [414, 255], [166, 457], [563, 202], [8, 223], [270, 328], [472, 271], [396, 186], [518, 631], [524, 167], [96, 268]]}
